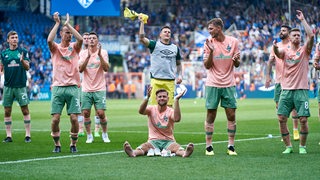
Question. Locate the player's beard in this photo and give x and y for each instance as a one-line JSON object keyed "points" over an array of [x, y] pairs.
{"points": [[214, 35], [162, 103], [283, 36]]}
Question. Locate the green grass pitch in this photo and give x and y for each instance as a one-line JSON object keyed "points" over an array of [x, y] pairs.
{"points": [[259, 157]]}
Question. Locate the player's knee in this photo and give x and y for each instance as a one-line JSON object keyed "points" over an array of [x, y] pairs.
{"points": [[101, 114], [231, 116], [174, 147], [145, 147], [282, 119], [55, 120], [86, 113]]}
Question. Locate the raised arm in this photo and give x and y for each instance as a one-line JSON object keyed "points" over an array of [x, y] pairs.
{"points": [[177, 113], [75, 33], [144, 104], [278, 52], [307, 28], [145, 41], [83, 64], [103, 59], [53, 31]]}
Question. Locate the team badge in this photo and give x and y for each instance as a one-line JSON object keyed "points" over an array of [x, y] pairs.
{"points": [[85, 3], [228, 48]]}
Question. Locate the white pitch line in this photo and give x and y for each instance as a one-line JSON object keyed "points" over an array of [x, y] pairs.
{"points": [[115, 152], [58, 157], [141, 132]]}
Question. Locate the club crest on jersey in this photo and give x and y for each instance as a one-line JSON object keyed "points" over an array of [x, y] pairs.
{"points": [[165, 118], [228, 48], [85, 3]]}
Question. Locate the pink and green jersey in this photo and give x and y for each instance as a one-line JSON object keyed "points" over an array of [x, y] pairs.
{"points": [[295, 70], [221, 74], [160, 125], [93, 75], [65, 65], [279, 62]]}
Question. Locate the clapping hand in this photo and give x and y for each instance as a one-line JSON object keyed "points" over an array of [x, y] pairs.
{"points": [[300, 15], [56, 17], [67, 20], [236, 56], [99, 49], [210, 45]]}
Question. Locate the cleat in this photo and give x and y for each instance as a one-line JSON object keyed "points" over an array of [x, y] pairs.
{"points": [[7, 140], [231, 151], [189, 150], [73, 149], [81, 134], [150, 152], [157, 152], [105, 138], [96, 134], [127, 148], [57, 149], [288, 150], [296, 135], [89, 139], [27, 139], [209, 151], [302, 150]]}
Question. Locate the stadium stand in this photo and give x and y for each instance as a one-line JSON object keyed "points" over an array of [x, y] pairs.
{"points": [[255, 30]]}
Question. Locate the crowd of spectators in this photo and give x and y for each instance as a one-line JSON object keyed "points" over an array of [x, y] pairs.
{"points": [[33, 30], [255, 23]]}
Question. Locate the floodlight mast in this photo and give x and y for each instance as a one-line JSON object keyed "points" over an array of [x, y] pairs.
{"points": [[289, 6]]}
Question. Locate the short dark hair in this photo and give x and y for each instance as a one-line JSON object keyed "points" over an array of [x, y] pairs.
{"points": [[216, 22], [10, 33], [165, 27], [286, 26], [294, 29], [93, 33], [161, 90]]}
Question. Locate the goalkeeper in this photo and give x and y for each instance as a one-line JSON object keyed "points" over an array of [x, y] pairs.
{"points": [[165, 60]]}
